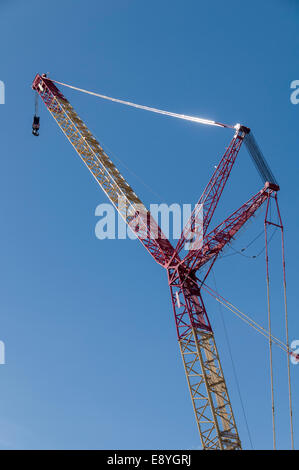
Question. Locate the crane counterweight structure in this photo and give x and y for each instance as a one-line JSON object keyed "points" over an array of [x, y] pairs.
{"points": [[207, 386]]}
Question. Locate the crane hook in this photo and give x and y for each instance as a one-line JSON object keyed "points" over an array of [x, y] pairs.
{"points": [[35, 124]]}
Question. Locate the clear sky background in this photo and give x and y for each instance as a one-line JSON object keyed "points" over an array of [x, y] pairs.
{"points": [[92, 360]]}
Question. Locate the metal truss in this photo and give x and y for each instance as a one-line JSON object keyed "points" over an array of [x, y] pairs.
{"points": [[104, 171], [208, 390]]}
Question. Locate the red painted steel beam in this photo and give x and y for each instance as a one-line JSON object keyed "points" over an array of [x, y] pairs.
{"points": [[218, 238], [212, 193]]}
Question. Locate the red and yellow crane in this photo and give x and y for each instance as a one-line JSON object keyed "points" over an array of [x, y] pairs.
{"points": [[209, 394]]}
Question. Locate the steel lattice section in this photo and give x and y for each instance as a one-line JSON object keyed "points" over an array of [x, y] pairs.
{"points": [[211, 195], [208, 390], [205, 378], [106, 174]]}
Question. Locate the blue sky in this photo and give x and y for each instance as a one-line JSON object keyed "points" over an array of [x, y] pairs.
{"points": [[91, 349]]}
